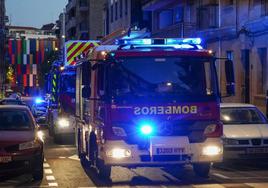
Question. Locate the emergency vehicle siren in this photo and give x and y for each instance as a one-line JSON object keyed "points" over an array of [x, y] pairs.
{"points": [[146, 128], [179, 43]]}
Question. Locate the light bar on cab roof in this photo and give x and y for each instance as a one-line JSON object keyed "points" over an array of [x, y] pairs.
{"points": [[164, 41]]}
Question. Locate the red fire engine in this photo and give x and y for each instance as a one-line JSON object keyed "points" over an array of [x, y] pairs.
{"points": [[150, 102]]}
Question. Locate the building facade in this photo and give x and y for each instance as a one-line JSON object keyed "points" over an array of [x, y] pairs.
{"points": [[84, 19], [121, 15], [2, 45], [27, 51], [236, 29]]}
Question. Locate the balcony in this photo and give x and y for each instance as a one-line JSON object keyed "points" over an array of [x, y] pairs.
{"points": [[184, 29], [71, 4], [152, 5]]}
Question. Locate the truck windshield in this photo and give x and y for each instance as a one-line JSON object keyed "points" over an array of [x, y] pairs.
{"points": [[163, 76]]}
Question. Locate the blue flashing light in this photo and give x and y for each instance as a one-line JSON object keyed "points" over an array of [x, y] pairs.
{"points": [[39, 100], [146, 128], [187, 43]]}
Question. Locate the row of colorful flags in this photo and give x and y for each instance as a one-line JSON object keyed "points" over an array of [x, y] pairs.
{"points": [[25, 55]]}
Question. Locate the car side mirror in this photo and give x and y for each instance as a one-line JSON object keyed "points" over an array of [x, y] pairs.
{"points": [[230, 78]]}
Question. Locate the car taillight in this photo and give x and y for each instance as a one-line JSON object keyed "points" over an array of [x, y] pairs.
{"points": [[213, 130]]}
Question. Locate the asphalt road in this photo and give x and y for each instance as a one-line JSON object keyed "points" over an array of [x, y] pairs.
{"points": [[63, 169]]}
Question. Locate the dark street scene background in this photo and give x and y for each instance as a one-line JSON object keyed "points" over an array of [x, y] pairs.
{"points": [[134, 93]]}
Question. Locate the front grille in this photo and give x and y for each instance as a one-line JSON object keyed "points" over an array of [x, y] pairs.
{"points": [[193, 130], [163, 158], [256, 142], [14, 165], [243, 142], [12, 148], [265, 141]]}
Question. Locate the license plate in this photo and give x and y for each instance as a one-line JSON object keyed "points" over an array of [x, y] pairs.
{"points": [[5, 159], [169, 151], [257, 150]]}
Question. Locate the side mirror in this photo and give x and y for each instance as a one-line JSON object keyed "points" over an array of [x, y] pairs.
{"points": [[86, 92], [230, 78], [86, 73]]}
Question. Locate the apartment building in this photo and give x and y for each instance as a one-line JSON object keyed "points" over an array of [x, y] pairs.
{"points": [[84, 19], [236, 29], [2, 44]]}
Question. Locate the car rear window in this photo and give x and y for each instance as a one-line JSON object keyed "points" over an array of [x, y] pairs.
{"points": [[242, 115], [15, 120]]}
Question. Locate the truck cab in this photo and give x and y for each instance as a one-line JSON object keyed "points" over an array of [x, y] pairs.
{"points": [[150, 102]]}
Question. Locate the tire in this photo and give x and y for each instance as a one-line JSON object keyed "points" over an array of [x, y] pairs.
{"points": [[80, 154], [201, 169], [103, 171], [38, 172]]}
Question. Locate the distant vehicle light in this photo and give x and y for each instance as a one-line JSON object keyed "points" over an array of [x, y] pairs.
{"points": [[39, 100], [63, 123]]}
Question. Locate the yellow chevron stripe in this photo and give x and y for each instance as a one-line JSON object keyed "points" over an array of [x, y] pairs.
{"points": [[69, 44], [79, 52], [73, 49]]}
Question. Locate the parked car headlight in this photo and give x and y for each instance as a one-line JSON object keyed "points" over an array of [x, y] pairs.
{"points": [[28, 145]]}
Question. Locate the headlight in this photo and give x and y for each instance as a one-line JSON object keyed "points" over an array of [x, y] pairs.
{"points": [[63, 122], [119, 153], [118, 131], [212, 150], [40, 135], [28, 145]]}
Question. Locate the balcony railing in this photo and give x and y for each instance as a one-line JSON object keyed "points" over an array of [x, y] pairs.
{"points": [[184, 29]]}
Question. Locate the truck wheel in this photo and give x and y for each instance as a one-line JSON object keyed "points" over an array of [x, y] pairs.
{"points": [[104, 171], [202, 169], [81, 155]]}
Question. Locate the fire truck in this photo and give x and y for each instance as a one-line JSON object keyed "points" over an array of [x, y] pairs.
{"points": [[62, 89], [150, 102], [61, 82]]}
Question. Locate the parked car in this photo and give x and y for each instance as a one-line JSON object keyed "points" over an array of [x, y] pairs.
{"points": [[40, 112], [20, 147], [245, 132], [11, 101]]}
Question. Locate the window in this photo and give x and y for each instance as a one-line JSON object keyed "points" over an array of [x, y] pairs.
{"points": [[116, 10], [121, 8], [264, 7], [229, 2], [112, 13], [208, 16], [261, 71], [126, 7], [165, 18], [178, 14], [230, 55]]}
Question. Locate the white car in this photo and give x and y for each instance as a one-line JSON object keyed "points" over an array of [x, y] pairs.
{"points": [[245, 132]]}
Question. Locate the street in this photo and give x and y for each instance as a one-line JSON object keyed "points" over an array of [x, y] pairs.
{"points": [[63, 169]]}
